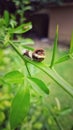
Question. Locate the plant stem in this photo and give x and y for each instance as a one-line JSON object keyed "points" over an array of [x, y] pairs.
{"points": [[25, 61], [47, 70], [27, 69], [16, 50]]}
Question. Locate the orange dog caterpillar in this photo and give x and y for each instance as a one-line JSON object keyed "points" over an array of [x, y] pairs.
{"points": [[36, 55]]}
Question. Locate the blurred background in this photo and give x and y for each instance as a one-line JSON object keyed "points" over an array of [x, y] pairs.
{"points": [[54, 112]]}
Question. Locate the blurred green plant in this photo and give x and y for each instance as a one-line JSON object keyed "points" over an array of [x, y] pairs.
{"points": [[22, 6], [26, 81]]}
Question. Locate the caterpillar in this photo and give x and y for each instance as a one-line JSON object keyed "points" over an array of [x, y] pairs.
{"points": [[36, 55]]}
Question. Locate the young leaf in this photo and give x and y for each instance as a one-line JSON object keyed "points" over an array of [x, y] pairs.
{"points": [[40, 84], [14, 77], [54, 48], [71, 44], [6, 17], [20, 107], [21, 29]]}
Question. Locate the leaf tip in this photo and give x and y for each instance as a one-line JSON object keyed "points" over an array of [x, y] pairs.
{"points": [[57, 28]]}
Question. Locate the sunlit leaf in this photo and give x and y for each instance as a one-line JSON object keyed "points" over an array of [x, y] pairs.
{"points": [[54, 48], [14, 77], [20, 106], [21, 29], [40, 84]]}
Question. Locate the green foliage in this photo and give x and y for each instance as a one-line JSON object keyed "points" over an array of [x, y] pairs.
{"points": [[21, 29], [20, 106], [14, 77], [54, 48], [22, 78], [40, 84], [22, 6]]}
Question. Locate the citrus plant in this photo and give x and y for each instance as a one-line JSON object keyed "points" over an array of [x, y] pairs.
{"points": [[26, 81]]}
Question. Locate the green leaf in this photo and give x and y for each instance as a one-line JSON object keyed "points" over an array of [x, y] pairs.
{"points": [[71, 44], [29, 48], [62, 59], [24, 42], [6, 17], [21, 29], [54, 48], [20, 107], [14, 77], [40, 84]]}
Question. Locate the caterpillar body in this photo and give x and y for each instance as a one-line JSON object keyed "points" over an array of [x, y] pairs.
{"points": [[36, 55]]}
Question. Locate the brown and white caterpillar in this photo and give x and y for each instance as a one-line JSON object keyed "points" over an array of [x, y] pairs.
{"points": [[36, 55]]}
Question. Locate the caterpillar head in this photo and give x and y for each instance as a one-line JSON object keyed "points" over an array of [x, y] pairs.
{"points": [[38, 55]]}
